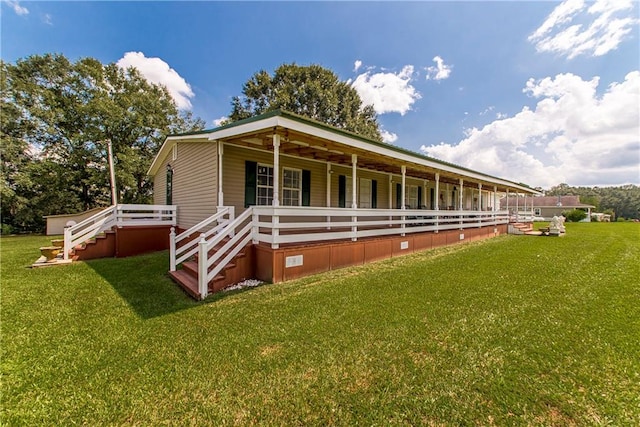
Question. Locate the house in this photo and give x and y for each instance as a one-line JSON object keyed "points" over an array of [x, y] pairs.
{"points": [[546, 207], [280, 196]]}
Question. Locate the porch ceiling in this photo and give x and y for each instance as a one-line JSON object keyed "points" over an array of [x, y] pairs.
{"points": [[307, 146]]}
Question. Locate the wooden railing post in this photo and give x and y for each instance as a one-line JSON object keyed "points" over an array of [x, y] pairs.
{"points": [[354, 228], [254, 227], [275, 230], [172, 249], [203, 258], [232, 216], [67, 242]]}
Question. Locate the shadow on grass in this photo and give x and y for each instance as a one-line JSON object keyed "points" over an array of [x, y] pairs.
{"points": [[142, 281]]}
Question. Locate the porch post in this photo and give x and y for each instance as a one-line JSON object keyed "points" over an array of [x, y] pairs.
{"points": [[328, 193], [276, 171], [461, 202], [479, 204], [403, 170], [517, 207], [437, 204], [354, 199], [354, 163], [424, 192], [220, 192], [328, 185], [275, 219], [403, 206], [390, 191], [390, 197], [495, 198]]}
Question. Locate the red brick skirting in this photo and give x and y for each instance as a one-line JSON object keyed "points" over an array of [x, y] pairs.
{"points": [[270, 264]]}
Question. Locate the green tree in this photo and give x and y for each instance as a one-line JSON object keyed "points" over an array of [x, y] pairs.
{"points": [[622, 200], [575, 215], [56, 118], [311, 91]]}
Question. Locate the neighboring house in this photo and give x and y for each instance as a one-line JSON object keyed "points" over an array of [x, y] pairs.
{"points": [[285, 186], [546, 207]]}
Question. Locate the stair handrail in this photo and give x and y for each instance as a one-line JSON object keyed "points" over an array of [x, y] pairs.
{"points": [[179, 254], [230, 249], [88, 228]]}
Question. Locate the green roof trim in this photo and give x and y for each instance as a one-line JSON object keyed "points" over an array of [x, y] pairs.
{"points": [[324, 126]]}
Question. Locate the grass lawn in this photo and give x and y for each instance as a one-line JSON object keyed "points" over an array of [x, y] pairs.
{"points": [[516, 330]]}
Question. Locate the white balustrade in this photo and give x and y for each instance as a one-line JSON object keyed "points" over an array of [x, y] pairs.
{"points": [[123, 215]]}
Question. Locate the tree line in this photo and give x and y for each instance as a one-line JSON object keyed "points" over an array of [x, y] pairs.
{"points": [[621, 201], [57, 116]]}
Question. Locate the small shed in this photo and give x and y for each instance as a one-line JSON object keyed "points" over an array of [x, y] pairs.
{"points": [[57, 223]]}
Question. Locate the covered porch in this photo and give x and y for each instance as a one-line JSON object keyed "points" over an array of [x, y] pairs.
{"points": [[284, 182]]}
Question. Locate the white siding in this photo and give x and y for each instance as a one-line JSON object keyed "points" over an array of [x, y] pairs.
{"points": [[194, 181]]}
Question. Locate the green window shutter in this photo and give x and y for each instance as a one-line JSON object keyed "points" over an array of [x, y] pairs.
{"points": [[399, 196], [420, 197], [374, 194], [306, 188], [432, 197], [250, 183], [169, 186], [342, 191]]}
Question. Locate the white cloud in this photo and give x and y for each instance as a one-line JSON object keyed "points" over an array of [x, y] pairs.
{"points": [[600, 28], [155, 70], [388, 137], [357, 65], [388, 92], [220, 121], [489, 109], [573, 136], [439, 72], [15, 5], [47, 19]]}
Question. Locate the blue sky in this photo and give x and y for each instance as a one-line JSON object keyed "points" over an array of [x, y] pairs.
{"points": [[536, 92]]}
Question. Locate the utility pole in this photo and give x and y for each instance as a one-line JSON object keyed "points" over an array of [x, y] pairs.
{"points": [[112, 173]]}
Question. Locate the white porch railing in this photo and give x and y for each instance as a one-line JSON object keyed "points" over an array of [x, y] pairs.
{"points": [[282, 225], [125, 215], [522, 216], [180, 252], [239, 231], [307, 224]]}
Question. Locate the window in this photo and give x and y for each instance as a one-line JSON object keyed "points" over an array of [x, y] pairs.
{"points": [[411, 196], [264, 184], [291, 187], [537, 211]]}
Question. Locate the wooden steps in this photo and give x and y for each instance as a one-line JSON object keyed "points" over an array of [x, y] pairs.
{"points": [[519, 228], [240, 268], [101, 246]]}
